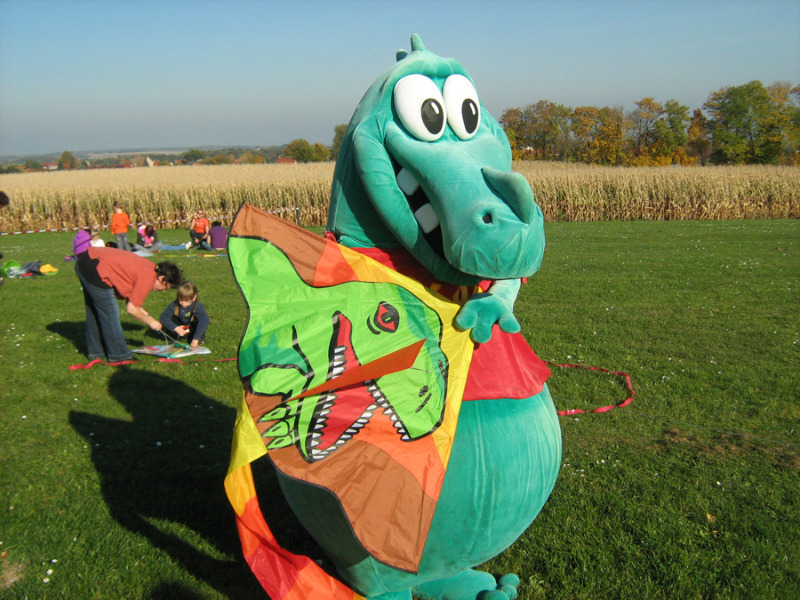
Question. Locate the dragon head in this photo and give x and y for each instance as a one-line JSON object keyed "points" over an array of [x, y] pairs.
{"points": [[424, 166]]}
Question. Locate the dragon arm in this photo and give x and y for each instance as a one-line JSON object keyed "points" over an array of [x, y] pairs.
{"points": [[482, 311]]}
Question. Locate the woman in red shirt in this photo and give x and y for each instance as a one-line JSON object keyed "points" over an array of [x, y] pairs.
{"points": [[107, 274]]}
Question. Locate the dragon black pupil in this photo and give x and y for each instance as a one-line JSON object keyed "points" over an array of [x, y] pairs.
{"points": [[469, 113], [432, 115]]}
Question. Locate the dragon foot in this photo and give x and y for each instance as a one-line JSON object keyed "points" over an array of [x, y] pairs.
{"points": [[470, 585]]}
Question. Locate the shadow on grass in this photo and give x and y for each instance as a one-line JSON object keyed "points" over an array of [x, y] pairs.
{"points": [[75, 332], [162, 477]]}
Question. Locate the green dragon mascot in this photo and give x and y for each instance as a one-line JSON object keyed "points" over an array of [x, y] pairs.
{"points": [[423, 185]]}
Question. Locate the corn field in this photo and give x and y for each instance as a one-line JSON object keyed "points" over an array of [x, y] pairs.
{"points": [[164, 195], [581, 192], [170, 195]]}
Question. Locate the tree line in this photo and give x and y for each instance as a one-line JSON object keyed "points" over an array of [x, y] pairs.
{"points": [[746, 124]]}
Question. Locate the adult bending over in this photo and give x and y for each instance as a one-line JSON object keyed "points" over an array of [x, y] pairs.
{"points": [[107, 274]]}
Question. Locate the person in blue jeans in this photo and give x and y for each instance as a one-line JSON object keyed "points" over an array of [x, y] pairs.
{"points": [[107, 274]]}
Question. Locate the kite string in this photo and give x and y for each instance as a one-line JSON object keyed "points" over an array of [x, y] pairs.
{"points": [[601, 409], [628, 400]]}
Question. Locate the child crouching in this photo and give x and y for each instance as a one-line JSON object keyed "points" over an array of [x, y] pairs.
{"points": [[186, 317]]}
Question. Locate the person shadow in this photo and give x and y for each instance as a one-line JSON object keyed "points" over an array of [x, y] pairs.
{"points": [[75, 332], [162, 472]]}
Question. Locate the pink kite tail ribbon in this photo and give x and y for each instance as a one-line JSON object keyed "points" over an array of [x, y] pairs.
{"points": [[602, 409]]}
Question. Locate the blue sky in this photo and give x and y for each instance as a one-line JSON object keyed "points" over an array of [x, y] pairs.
{"points": [[90, 75]]}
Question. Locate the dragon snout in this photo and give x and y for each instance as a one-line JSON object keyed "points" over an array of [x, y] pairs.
{"points": [[514, 190]]}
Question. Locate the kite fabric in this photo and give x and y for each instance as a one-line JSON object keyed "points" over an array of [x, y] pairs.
{"points": [[177, 350], [333, 344]]}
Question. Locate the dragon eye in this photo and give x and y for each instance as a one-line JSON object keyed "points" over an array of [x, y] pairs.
{"points": [[420, 106], [463, 107], [386, 318]]}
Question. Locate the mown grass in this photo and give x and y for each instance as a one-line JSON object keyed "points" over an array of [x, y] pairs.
{"points": [[690, 492]]}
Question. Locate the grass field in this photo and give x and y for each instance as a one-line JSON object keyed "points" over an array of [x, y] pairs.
{"points": [[111, 485]]}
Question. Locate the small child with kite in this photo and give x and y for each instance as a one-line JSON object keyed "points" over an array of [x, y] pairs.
{"points": [[186, 317]]}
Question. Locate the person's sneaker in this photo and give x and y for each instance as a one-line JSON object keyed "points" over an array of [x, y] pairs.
{"points": [[188, 245]]}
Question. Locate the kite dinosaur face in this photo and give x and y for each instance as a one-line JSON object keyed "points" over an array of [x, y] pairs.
{"points": [[326, 416], [424, 166], [353, 363]]}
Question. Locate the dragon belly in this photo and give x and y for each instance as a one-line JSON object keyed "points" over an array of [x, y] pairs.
{"points": [[505, 460]]}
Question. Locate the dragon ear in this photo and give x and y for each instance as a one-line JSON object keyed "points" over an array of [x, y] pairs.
{"points": [[416, 45]]}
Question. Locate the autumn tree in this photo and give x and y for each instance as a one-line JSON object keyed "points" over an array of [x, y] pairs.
{"points": [[643, 133], [781, 123], [584, 124], [320, 152], [549, 129], [219, 159], [67, 161], [608, 147], [252, 158], [698, 144], [304, 152], [671, 134], [745, 125], [298, 149], [793, 137], [338, 136], [516, 126], [194, 155]]}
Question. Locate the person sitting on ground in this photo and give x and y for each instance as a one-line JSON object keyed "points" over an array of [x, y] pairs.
{"points": [[4, 201], [81, 242], [147, 241], [120, 222], [97, 241], [218, 236], [185, 318], [110, 273], [198, 230]]}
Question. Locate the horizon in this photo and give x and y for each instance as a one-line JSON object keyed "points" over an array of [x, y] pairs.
{"points": [[93, 77]]}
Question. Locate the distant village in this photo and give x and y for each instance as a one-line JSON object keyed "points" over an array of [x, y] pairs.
{"points": [[297, 151]]}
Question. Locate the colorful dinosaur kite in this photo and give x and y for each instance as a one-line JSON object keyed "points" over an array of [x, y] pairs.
{"points": [[409, 421]]}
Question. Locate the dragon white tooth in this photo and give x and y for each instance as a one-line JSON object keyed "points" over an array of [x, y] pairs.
{"points": [[406, 182], [426, 217]]}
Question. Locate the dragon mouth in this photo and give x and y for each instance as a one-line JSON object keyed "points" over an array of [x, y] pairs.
{"points": [[422, 209], [341, 413]]}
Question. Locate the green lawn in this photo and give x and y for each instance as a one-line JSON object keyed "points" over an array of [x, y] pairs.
{"points": [[111, 484]]}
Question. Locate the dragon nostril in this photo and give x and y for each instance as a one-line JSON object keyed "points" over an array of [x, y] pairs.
{"points": [[487, 218]]}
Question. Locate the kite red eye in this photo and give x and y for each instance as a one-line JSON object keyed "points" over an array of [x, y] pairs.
{"points": [[386, 318]]}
